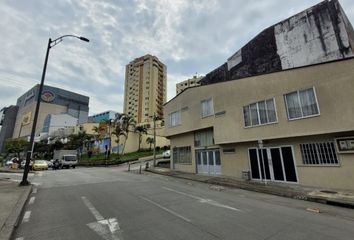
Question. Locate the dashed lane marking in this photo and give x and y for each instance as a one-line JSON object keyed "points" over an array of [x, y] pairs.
{"points": [[31, 201], [26, 217], [204, 200], [166, 209], [34, 190]]}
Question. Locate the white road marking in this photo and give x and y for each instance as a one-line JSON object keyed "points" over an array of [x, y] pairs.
{"points": [[26, 217], [203, 200], [108, 229], [31, 201], [19, 238], [34, 190], [166, 209], [93, 210]]}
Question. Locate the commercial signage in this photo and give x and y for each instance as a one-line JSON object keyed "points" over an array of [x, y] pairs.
{"points": [[26, 119], [345, 145], [47, 96]]}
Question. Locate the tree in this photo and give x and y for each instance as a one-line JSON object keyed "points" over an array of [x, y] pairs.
{"points": [[16, 146], [77, 141], [140, 130], [108, 134], [118, 132], [150, 141], [127, 123]]}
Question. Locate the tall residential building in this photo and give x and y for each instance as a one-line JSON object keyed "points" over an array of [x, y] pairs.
{"points": [[145, 88], [194, 81]]}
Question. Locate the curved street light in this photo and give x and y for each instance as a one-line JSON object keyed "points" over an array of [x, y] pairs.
{"points": [[51, 43]]}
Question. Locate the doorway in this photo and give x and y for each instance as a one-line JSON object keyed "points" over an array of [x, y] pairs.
{"points": [[273, 164], [208, 162]]}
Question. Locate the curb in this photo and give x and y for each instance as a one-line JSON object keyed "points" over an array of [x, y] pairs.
{"points": [[259, 189], [13, 220]]}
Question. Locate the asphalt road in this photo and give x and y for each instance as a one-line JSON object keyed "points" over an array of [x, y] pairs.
{"points": [[109, 203]]}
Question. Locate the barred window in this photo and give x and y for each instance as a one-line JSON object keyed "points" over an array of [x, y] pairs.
{"points": [[182, 155], [319, 153]]}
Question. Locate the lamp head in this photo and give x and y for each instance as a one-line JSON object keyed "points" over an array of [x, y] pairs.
{"points": [[84, 39]]}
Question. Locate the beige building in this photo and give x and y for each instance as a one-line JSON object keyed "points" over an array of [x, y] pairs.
{"points": [[192, 82], [294, 126], [131, 144], [145, 88]]}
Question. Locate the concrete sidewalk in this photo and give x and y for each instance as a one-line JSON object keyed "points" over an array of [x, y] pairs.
{"points": [[326, 196], [12, 200]]}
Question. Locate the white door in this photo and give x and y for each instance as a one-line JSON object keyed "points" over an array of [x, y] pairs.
{"points": [[208, 162]]}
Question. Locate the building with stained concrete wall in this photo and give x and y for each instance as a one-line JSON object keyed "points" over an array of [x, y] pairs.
{"points": [[319, 34], [273, 118]]}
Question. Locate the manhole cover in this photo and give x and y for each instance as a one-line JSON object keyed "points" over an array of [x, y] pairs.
{"points": [[327, 191]]}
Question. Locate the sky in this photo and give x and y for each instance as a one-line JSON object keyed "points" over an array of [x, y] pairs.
{"points": [[188, 36]]}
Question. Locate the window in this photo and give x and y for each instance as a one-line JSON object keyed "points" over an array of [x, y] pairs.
{"points": [[301, 104], [207, 107], [319, 153], [175, 118], [204, 138], [182, 155], [260, 113]]}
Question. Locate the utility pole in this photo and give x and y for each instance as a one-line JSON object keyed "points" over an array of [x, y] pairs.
{"points": [[51, 43]]}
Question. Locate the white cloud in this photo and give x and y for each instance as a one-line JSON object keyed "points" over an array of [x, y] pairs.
{"points": [[187, 35]]}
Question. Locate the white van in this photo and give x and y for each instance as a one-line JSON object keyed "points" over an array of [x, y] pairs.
{"points": [[67, 158]]}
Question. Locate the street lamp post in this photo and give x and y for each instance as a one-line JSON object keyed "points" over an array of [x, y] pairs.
{"points": [[51, 43]]}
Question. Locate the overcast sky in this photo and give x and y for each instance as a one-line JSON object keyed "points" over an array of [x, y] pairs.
{"points": [[188, 36]]}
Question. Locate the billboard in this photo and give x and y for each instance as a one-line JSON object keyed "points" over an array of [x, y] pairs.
{"points": [[26, 118]]}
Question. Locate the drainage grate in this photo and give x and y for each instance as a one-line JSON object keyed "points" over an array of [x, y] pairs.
{"points": [[327, 191]]}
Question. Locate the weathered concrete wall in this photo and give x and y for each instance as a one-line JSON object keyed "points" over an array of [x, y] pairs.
{"points": [[319, 34]]}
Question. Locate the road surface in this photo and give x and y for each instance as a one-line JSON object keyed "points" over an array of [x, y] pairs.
{"points": [[110, 203]]}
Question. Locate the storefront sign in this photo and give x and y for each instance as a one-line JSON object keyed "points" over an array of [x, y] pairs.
{"points": [[345, 145], [47, 96]]}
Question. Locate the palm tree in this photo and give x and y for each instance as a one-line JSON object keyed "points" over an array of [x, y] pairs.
{"points": [[118, 132], [77, 141], [127, 122], [150, 141], [140, 130]]}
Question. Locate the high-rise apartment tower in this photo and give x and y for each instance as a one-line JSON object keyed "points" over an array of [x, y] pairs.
{"points": [[145, 88]]}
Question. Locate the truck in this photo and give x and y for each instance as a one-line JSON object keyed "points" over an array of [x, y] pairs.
{"points": [[66, 158]]}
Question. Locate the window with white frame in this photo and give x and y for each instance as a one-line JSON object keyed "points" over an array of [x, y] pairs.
{"points": [[301, 104], [175, 118], [207, 107], [323, 153], [260, 113]]}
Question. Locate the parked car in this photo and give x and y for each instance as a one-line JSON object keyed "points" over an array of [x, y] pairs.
{"points": [[8, 163], [23, 163], [166, 154], [40, 165]]}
